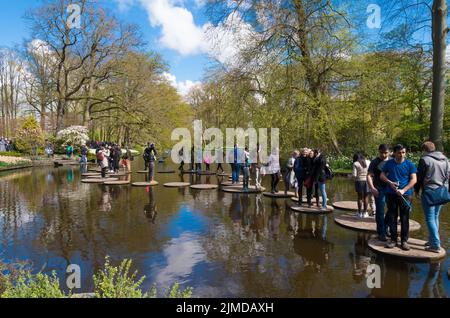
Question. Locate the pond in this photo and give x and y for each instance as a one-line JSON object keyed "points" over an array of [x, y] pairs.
{"points": [[221, 244]]}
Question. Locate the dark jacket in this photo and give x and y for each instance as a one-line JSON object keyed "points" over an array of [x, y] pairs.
{"points": [[433, 171], [319, 164]]}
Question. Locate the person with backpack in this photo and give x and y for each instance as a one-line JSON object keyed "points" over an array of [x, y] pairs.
{"points": [[146, 156], [151, 154], [102, 160], [433, 179], [360, 169], [319, 177]]}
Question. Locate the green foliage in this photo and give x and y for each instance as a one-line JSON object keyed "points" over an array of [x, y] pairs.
{"points": [[176, 292], [29, 135], [11, 154], [340, 162], [27, 285], [117, 282]]}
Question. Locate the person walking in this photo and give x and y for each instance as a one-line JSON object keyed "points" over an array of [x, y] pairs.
{"points": [[103, 161], [116, 158], [152, 153], [289, 177], [319, 177], [378, 189], [181, 158], [236, 165], [83, 160], [400, 176], [257, 167], [273, 165], [246, 169], [220, 160], [69, 151], [299, 164], [359, 173], [433, 179]]}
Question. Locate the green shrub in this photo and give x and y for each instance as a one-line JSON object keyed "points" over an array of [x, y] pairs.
{"points": [[117, 282], [11, 154], [29, 135], [27, 285], [175, 292]]}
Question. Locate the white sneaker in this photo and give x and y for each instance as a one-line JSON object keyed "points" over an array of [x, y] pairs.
{"points": [[365, 215], [358, 215]]}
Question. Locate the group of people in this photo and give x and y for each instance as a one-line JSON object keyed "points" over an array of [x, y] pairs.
{"points": [[392, 181], [6, 144], [110, 157]]}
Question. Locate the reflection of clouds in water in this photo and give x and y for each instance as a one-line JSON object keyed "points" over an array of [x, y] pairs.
{"points": [[182, 254]]}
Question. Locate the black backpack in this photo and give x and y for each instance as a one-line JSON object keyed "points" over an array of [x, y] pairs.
{"points": [[329, 174]]}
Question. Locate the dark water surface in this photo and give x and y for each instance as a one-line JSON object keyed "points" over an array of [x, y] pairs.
{"points": [[222, 245]]}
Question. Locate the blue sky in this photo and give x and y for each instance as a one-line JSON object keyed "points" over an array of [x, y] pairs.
{"points": [[162, 23]]}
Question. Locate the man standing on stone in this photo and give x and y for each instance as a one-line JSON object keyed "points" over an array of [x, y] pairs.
{"points": [[400, 176]]}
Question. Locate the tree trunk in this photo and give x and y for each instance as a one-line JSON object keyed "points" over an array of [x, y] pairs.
{"points": [[439, 34]]}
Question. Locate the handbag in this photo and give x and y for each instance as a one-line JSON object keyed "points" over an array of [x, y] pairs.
{"points": [[437, 196], [308, 182]]}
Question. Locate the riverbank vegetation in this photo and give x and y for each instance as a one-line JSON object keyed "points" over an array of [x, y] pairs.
{"points": [[17, 281]]}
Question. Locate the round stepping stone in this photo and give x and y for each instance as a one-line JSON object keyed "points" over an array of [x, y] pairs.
{"points": [[223, 174], [313, 210], [279, 195], [204, 186], [239, 189], [144, 184], [98, 180], [189, 172], [207, 173], [230, 184], [168, 171], [346, 205], [416, 253], [351, 221], [177, 184], [313, 200], [91, 174], [120, 182]]}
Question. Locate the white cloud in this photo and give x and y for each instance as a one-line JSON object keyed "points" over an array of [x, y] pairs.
{"points": [[124, 5], [183, 87], [179, 31]]}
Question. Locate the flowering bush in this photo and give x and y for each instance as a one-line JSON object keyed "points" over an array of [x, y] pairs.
{"points": [[29, 136], [75, 135]]}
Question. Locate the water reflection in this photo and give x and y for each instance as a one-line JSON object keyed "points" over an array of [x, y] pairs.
{"points": [[310, 241], [222, 244], [360, 257], [150, 209]]}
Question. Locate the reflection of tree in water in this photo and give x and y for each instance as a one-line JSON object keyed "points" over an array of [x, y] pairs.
{"points": [[310, 240], [150, 209], [360, 258]]}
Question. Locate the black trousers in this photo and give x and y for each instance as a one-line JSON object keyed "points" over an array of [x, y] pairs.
{"points": [[396, 206], [274, 182], [104, 172], [300, 180]]}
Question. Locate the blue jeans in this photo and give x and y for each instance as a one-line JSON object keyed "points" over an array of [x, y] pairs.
{"points": [[235, 173], [246, 177], [380, 203], [432, 219], [324, 194]]}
